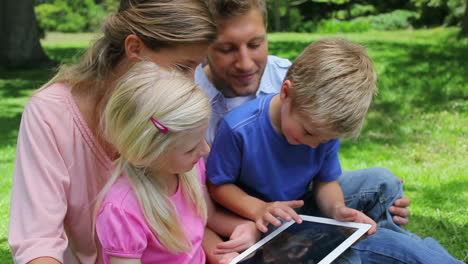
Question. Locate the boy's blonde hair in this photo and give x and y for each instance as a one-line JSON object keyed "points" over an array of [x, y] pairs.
{"points": [[334, 82], [146, 91]]}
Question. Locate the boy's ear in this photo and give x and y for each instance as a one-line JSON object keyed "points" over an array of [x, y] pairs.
{"points": [[286, 91], [133, 47]]}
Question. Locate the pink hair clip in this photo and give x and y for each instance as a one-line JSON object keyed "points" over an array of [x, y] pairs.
{"points": [[162, 128]]}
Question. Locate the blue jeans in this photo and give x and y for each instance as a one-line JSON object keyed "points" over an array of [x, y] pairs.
{"points": [[373, 191]]}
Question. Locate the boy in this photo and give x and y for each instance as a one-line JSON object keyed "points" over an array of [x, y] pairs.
{"points": [[271, 148]]}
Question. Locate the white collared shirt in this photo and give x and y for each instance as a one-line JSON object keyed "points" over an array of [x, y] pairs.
{"points": [[271, 82]]}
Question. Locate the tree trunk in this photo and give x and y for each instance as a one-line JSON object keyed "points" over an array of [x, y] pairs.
{"points": [[276, 16], [20, 45], [464, 26]]}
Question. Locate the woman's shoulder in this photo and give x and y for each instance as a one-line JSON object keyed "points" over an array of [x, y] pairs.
{"points": [[56, 92], [55, 98]]}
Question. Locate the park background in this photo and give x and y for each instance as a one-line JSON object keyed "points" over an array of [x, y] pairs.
{"points": [[417, 126]]}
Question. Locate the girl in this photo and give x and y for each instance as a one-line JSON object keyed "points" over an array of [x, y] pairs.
{"points": [[154, 208], [62, 161]]}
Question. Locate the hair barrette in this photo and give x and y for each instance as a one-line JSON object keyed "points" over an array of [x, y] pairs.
{"points": [[162, 128]]}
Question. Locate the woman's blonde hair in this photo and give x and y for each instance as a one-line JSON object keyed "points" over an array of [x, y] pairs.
{"points": [[334, 82], [149, 91], [158, 23]]}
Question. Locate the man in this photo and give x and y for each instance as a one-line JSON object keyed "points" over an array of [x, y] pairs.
{"points": [[239, 69]]}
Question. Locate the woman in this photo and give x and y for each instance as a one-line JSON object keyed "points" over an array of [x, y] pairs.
{"points": [[62, 159]]}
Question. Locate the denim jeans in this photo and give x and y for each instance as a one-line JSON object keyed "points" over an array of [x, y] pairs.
{"points": [[373, 191]]}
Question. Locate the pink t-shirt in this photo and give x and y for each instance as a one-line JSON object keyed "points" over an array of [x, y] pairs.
{"points": [[124, 232], [59, 170]]}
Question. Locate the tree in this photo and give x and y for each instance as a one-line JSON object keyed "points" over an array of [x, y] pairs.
{"points": [[464, 26], [20, 45]]}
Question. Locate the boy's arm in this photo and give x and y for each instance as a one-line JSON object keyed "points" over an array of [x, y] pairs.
{"points": [[242, 233], [330, 200], [236, 200]]}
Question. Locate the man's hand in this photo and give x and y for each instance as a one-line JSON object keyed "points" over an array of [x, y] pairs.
{"points": [[400, 211], [270, 212], [343, 213]]}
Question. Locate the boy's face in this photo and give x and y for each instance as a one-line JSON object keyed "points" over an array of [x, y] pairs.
{"points": [[299, 129], [237, 59]]}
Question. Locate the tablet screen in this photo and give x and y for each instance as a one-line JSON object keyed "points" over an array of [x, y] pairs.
{"points": [[310, 242]]}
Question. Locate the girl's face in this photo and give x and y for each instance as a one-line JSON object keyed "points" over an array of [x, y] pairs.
{"points": [[186, 152]]}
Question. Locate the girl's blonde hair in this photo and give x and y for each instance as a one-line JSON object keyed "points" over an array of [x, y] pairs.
{"points": [[334, 82], [146, 91], [158, 23]]}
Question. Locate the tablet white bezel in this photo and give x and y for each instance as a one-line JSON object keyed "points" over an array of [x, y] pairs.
{"points": [[362, 228]]}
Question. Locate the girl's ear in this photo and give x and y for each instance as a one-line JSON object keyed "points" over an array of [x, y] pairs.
{"points": [[286, 92], [133, 47]]}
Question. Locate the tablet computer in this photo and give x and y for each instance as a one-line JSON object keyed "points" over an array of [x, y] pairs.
{"points": [[317, 240]]}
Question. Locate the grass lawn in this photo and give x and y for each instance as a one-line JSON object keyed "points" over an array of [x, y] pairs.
{"points": [[417, 127]]}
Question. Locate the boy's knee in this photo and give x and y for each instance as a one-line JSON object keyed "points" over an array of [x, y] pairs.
{"points": [[390, 185]]}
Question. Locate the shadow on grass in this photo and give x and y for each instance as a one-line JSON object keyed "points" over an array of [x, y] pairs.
{"points": [[19, 83], [5, 253], [9, 130]]}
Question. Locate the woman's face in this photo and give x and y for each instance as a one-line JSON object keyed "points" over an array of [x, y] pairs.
{"points": [[184, 58]]}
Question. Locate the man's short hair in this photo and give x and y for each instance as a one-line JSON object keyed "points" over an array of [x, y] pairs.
{"points": [[227, 9]]}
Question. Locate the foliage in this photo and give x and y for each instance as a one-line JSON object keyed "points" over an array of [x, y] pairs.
{"points": [[59, 17], [401, 13], [335, 26], [398, 19], [72, 15]]}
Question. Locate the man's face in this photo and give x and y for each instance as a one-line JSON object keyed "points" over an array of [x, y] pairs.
{"points": [[238, 57]]}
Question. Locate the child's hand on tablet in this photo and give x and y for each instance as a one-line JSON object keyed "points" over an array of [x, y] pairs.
{"points": [[270, 211], [344, 213], [243, 236]]}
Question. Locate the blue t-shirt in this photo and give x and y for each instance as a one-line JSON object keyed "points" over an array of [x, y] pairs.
{"points": [[248, 152]]}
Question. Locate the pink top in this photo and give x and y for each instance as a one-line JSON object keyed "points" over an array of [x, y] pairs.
{"points": [[59, 170], [124, 232]]}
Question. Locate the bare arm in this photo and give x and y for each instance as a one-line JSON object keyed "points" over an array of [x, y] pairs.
{"points": [[329, 196], [235, 199], [210, 240], [330, 200], [118, 260], [44, 260], [228, 224]]}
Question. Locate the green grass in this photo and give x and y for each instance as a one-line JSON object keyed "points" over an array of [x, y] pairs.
{"points": [[417, 126]]}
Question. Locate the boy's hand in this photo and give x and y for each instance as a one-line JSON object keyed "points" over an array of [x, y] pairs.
{"points": [[343, 213], [243, 236], [270, 212]]}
